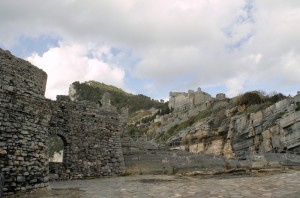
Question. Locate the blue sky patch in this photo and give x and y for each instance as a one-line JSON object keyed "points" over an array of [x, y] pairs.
{"points": [[28, 45]]}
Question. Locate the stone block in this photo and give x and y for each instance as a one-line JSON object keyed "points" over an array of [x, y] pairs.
{"points": [[21, 178], [260, 164], [274, 163]]}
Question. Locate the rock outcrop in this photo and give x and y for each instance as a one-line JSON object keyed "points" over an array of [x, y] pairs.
{"points": [[234, 133], [271, 130], [221, 136]]}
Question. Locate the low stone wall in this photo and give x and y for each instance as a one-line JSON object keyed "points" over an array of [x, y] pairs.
{"points": [[58, 171], [148, 158], [180, 162]]}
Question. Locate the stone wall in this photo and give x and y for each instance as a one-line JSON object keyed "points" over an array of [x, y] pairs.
{"points": [[146, 158], [91, 136], [142, 157], [24, 122], [181, 100], [90, 131], [19, 75], [220, 96]]}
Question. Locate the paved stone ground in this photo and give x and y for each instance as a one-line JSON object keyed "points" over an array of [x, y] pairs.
{"points": [[285, 185]]}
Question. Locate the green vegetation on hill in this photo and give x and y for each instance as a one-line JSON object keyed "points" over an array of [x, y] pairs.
{"points": [[93, 91], [185, 124]]}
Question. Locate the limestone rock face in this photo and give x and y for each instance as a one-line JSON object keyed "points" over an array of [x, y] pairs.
{"points": [[216, 147], [275, 129]]}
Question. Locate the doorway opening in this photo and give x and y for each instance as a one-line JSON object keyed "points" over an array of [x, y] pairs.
{"points": [[56, 148]]}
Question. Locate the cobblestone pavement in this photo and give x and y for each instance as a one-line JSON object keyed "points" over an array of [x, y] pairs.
{"points": [[285, 185]]}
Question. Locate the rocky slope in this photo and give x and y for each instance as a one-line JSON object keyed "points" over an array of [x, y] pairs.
{"points": [[227, 128]]}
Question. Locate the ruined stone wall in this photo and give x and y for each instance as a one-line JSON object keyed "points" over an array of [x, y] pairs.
{"points": [[19, 75], [90, 131], [182, 100], [201, 97], [24, 121], [220, 96], [91, 134], [177, 100]]}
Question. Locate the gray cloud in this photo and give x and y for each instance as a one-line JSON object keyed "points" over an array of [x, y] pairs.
{"points": [[237, 43]]}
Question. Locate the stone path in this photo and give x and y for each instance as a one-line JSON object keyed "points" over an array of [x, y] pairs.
{"points": [[285, 185]]}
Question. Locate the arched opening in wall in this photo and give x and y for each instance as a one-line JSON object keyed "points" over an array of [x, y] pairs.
{"points": [[56, 148]]}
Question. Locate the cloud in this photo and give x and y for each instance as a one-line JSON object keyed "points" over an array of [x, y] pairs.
{"points": [[238, 44], [71, 62], [235, 85]]}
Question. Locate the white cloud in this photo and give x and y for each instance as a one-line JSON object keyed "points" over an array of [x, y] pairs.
{"points": [[234, 43], [235, 85], [70, 62], [290, 67]]}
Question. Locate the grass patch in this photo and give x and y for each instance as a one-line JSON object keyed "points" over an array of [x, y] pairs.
{"points": [[178, 127], [278, 116], [258, 107], [138, 115]]}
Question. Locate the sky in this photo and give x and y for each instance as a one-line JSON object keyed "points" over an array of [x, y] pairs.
{"points": [[154, 47]]}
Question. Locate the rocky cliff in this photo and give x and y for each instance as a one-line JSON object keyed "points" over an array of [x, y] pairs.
{"points": [[235, 131]]}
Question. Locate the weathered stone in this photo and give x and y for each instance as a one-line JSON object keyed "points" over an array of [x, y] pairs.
{"points": [[21, 179], [1, 184], [27, 118], [181, 100]]}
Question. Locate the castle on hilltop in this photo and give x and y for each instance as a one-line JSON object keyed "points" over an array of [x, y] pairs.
{"points": [[181, 100]]}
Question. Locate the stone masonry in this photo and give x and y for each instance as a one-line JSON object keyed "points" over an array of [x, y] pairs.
{"points": [[180, 100], [24, 122], [91, 137], [90, 131]]}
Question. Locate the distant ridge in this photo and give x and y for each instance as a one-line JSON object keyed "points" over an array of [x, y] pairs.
{"points": [[93, 91]]}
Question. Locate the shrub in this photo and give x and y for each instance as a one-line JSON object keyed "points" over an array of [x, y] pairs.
{"points": [[278, 116], [258, 107], [277, 97], [250, 98]]}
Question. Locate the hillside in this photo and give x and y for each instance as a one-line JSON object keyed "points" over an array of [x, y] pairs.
{"points": [[249, 124], [93, 91], [252, 123], [183, 120]]}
